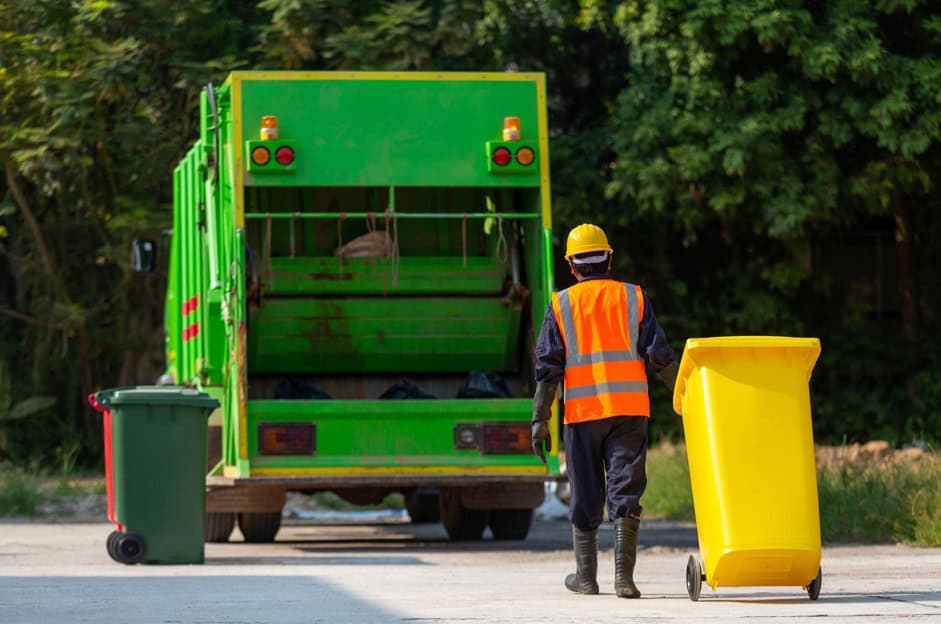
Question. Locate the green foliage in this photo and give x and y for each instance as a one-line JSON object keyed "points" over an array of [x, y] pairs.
{"points": [[723, 145]]}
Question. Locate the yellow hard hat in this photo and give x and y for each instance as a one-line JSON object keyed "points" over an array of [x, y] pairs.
{"points": [[586, 238]]}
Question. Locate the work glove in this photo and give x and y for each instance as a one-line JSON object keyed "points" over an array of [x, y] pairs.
{"points": [[542, 412], [668, 373]]}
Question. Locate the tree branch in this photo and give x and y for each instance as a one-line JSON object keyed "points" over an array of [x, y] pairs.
{"points": [[33, 225], [29, 319]]}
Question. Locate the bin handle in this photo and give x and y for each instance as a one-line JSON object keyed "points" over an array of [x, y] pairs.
{"points": [[94, 403]]}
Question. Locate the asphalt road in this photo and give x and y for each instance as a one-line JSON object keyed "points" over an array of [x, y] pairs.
{"points": [[59, 573]]}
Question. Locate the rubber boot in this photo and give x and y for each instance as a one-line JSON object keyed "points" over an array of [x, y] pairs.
{"points": [[585, 579], [625, 556]]}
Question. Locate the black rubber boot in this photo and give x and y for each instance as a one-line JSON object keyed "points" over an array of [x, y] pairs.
{"points": [[625, 556], [585, 579]]}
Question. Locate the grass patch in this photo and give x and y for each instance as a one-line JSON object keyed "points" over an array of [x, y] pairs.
{"points": [[881, 502], [332, 501], [20, 494], [668, 492], [25, 493], [859, 501]]}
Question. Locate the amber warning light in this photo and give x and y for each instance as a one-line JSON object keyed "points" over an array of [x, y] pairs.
{"points": [[511, 128], [269, 128]]}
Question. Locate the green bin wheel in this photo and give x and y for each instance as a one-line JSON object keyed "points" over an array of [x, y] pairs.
{"points": [[129, 548], [694, 578], [461, 523], [813, 590], [260, 527], [510, 524], [109, 544], [219, 526]]}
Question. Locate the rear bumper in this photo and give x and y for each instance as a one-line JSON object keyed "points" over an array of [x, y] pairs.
{"points": [[327, 482]]}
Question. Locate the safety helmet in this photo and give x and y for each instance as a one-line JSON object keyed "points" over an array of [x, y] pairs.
{"points": [[586, 238]]}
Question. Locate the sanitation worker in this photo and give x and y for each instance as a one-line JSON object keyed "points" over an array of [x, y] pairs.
{"points": [[601, 339]]}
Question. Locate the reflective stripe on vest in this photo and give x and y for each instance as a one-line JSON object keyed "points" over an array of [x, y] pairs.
{"points": [[604, 374]]}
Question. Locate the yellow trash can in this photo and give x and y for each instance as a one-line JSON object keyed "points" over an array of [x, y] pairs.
{"points": [[745, 404]]}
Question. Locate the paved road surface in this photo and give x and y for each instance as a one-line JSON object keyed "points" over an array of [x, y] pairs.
{"points": [[58, 573]]}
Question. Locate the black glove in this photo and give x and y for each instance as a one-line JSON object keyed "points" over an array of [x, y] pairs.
{"points": [[668, 373], [542, 412]]}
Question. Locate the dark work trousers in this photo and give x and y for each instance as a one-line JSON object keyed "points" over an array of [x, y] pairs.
{"points": [[618, 446]]}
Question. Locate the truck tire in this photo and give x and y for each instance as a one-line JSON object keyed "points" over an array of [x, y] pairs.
{"points": [[461, 523], [422, 506], [219, 526], [260, 527], [510, 524]]}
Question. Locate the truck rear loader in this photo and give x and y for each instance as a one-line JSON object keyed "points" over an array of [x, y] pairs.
{"points": [[358, 266]]}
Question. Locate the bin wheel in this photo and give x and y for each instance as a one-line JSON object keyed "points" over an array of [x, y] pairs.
{"points": [[694, 578], [129, 548], [109, 544], [219, 526], [813, 590], [260, 527]]}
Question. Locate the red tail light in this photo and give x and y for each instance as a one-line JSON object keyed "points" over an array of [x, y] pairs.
{"points": [[284, 156], [501, 156], [287, 438], [506, 438]]}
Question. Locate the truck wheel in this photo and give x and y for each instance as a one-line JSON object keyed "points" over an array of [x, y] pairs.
{"points": [[462, 524], [422, 506], [510, 524], [129, 548], [260, 527], [219, 526]]}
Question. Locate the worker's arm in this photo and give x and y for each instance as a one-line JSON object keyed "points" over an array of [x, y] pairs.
{"points": [[652, 345], [550, 367], [550, 351]]}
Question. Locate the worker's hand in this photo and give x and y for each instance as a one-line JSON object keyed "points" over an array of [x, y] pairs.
{"points": [[542, 439], [542, 412]]}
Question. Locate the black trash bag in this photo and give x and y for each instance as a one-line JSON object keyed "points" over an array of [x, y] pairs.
{"points": [[292, 388], [481, 384], [405, 390]]}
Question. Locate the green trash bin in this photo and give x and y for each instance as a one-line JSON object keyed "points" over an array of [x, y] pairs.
{"points": [[155, 465]]}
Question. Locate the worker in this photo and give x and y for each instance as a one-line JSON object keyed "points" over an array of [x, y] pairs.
{"points": [[601, 339]]}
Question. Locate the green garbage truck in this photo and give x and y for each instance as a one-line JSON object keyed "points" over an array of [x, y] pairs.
{"points": [[358, 266]]}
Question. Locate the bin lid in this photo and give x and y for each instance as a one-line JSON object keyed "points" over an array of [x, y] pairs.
{"points": [[693, 345], [157, 395]]}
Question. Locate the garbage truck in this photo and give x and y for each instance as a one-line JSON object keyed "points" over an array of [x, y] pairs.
{"points": [[359, 263]]}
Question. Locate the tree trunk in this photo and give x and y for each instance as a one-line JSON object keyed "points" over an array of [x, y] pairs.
{"points": [[907, 269]]}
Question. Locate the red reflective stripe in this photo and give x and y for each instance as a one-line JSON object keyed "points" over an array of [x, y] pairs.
{"points": [[191, 332], [190, 304]]}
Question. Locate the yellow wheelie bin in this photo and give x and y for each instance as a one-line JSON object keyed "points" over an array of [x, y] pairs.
{"points": [[745, 404]]}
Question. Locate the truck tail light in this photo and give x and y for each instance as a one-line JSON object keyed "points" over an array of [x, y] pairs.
{"points": [[261, 156], [501, 156], [287, 438], [284, 155], [506, 438], [525, 156]]}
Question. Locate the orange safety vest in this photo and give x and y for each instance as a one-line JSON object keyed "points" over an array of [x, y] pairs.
{"points": [[604, 373]]}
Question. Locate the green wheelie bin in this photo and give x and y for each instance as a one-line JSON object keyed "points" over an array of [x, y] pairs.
{"points": [[155, 469]]}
